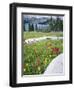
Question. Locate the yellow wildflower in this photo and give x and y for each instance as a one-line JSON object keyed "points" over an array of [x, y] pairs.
{"points": [[45, 61], [39, 68], [24, 69], [50, 55], [27, 64]]}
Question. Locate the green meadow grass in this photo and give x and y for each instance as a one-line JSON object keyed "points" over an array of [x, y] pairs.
{"points": [[34, 34]]}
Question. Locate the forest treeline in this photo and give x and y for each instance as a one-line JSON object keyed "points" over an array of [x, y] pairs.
{"points": [[55, 25]]}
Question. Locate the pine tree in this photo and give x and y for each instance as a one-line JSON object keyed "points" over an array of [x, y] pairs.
{"points": [[31, 27]]}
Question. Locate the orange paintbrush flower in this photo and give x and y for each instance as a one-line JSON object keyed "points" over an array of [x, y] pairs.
{"points": [[55, 50], [38, 61]]}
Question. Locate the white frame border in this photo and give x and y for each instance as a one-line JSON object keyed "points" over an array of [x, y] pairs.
{"points": [[40, 78]]}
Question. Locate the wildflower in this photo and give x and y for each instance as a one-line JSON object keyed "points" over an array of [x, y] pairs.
{"points": [[50, 55], [24, 69], [38, 61], [49, 45], [45, 61], [27, 64], [55, 50], [39, 68]]}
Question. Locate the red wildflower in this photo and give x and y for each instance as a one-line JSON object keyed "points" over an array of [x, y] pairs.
{"points": [[38, 61], [56, 50]]}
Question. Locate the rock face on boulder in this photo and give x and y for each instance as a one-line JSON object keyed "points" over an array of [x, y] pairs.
{"points": [[56, 67]]}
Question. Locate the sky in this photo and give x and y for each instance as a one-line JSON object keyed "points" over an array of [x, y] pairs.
{"points": [[40, 16]]}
